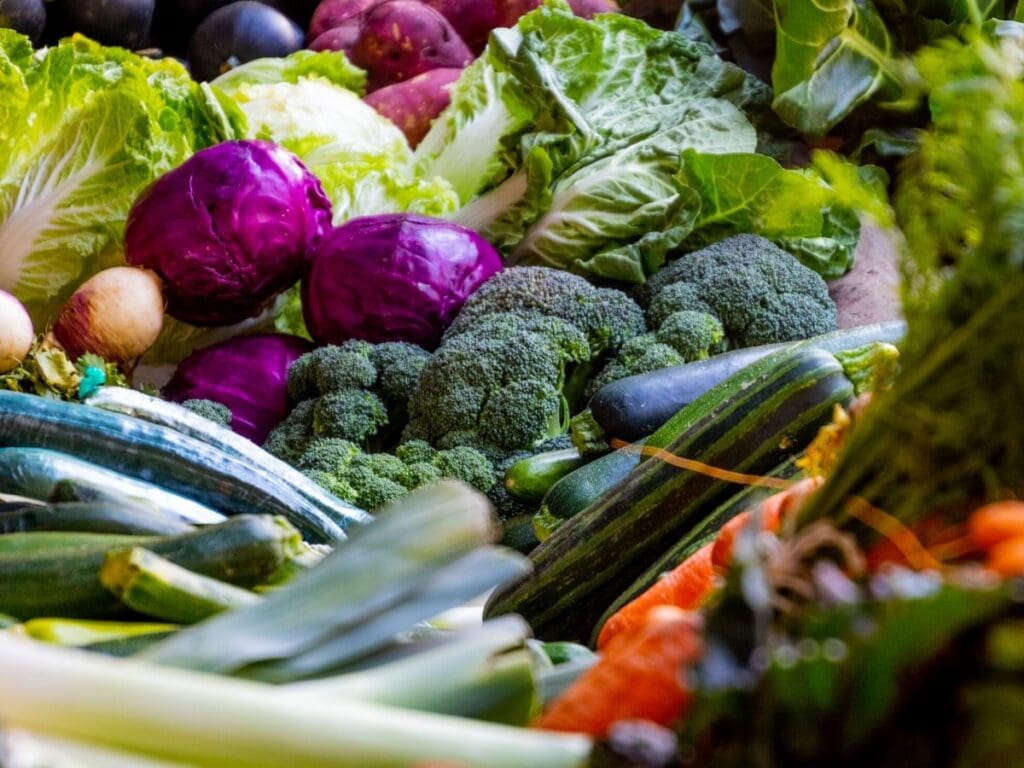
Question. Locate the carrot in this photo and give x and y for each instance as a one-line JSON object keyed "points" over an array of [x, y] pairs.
{"points": [[683, 587], [639, 677], [1007, 557], [996, 522], [773, 510]]}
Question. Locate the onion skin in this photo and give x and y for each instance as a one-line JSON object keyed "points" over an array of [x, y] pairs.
{"points": [[116, 314], [16, 332]]}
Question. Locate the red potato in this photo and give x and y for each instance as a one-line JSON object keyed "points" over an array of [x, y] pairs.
{"points": [[590, 8], [413, 104], [400, 39], [332, 13]]}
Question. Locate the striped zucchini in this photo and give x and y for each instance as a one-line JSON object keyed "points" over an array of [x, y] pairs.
{"points": [[128, 518], [48, 475], [131, 402], [750, 423], [163, 456]]}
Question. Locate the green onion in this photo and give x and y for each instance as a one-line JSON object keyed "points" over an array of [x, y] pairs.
{"points": [[219, 722]]}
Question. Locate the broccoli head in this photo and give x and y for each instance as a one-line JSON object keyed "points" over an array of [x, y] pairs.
{"points": [[760, 293], [354, 391], [498, 382], [216, 412], [373, 480], [608, 317]]}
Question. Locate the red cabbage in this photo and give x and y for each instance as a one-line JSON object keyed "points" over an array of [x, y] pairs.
{"points": [[228, 230], [393, 277], [248, 374]]}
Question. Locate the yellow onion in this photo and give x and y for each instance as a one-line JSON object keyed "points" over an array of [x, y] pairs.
{"points": [[15, 332], [116, 314]]}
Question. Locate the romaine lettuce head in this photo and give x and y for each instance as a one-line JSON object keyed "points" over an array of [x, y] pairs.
{"points": [[85, 130]]}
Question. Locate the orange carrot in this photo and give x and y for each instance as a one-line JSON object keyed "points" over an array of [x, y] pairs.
{"points": [[773, 510], [1007, 557], [639, 677], [683, 587], [996, 522]]}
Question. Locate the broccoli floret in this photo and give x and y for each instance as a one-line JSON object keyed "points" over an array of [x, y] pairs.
{"points": [[760, 293], [468, 465], [608, 317], [416, 451], [422, 473], [290, 439], [500, 382], [330, 455], [694, 335], [642, 354], [216, 412], [358, 391], [399, 365], [330, 369], [350, 414]]}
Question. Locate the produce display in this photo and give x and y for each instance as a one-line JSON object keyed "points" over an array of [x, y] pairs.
{"points": [[550, 383]]}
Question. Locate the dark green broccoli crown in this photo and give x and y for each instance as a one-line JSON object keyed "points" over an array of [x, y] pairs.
{"points": [[216, 412], [416, 451], [607, 316], [398, 365], [502, 377], [759, 292], [349, 414], [468, 465]]}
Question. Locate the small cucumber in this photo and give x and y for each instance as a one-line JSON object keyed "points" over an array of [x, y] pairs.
{"points": [[577, 490], [530, 478], [154, 586]]}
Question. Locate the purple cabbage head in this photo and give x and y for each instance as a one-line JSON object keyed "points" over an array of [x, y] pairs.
{"points": [[228, 230], [248, 374], [393, 277]]}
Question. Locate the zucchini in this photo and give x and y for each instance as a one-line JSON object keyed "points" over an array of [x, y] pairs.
{"points": [[165, 457], [125, 518], [243, 551], [750, 423], [701, 534], [577, 490], [52, 476], [156, 587], [530, 478], [36, 543], [634, 407], [131, 402]]}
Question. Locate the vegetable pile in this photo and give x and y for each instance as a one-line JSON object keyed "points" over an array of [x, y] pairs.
{"points": [[476, 387]]}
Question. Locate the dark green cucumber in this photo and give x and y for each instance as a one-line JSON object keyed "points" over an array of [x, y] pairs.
{"points": [[702, 533], [530, 478], [578, 490], [750, 423], [634, 407], [243, 551], [163, 456], [126, 517]]}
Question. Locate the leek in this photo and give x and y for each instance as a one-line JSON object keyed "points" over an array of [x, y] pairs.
{"points": [[381, 566], [217, 722], [82, 632], [21, 749]]}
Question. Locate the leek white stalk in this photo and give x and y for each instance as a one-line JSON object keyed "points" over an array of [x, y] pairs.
{"points": [[218, 722], [15, 332], [21, 749]]}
